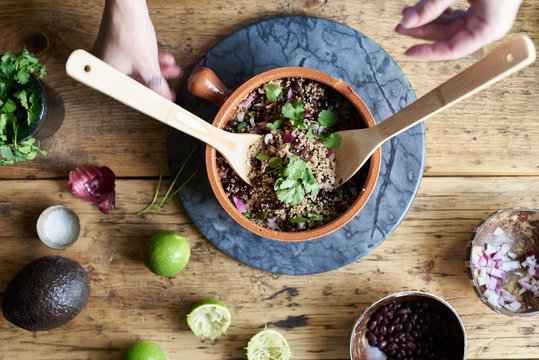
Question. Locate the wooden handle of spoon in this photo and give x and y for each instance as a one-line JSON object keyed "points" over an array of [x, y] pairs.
{"points": [[97, 74], [505, 60]]}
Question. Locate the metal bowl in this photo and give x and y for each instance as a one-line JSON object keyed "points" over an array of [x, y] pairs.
{"points": [[519, 228], [58, 227], [361, 349]]}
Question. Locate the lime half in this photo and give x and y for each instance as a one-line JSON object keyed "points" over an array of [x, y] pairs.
{"points": [[209, 318], [268, 345], [145, 350]]}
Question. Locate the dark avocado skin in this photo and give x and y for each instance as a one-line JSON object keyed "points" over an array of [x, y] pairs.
{"points": [[46, 293]]}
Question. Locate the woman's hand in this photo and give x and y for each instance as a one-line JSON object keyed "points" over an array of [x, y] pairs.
{"points": [[456, 33], [127, 41]]}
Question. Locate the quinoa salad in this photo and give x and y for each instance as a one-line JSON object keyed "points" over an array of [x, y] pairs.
{"points": [[292, 169]]}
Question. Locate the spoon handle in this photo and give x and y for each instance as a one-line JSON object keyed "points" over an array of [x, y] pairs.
{"points": [[97, 74], [505, 60]]}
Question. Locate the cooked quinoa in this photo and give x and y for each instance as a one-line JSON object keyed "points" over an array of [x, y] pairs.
{"points": [[289, 113]]}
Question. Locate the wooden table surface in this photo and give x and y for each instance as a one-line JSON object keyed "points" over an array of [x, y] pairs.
{"points": [[482, 155]]}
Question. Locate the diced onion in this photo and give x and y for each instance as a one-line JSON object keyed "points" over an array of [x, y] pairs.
{"points": [[494, 266]]}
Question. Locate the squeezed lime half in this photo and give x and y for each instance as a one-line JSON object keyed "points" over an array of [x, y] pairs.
{"points": [[268, 344], [209, 318]]}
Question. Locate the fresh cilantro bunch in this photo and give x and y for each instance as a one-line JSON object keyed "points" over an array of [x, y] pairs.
{"points": [[296, 181], [20, 105]]}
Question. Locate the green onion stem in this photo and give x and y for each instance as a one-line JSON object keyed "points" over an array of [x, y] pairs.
{"points": [[155, 195]]}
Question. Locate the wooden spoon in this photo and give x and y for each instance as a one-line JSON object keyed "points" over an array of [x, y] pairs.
{"points": [[97, 74], [358, 145]]}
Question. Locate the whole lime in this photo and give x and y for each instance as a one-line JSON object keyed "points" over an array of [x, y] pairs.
{"points": [[145, 350], [166, 253]]}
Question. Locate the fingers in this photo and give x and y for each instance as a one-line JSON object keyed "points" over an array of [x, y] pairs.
{"points": [[434, 31], [424, 12], [462, 44]]}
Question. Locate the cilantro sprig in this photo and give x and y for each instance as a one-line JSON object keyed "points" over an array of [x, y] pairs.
{"points": [[275, 125], [294, 111], [20, 105], [273, 92], [296, 181], [327, 118]]}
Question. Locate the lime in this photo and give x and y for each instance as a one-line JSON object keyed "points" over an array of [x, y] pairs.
{"points": [[209, 318], [166, 253], [145, 350], [268, 345]]}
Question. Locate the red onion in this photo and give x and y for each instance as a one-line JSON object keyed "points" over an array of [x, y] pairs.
{"points": [[494, 265], [95, 184], [329, 154], [287, 138], [247, 101], [239, 204]]}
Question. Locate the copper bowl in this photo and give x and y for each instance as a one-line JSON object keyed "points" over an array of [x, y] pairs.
{"points": [[204, 84], [360, 349]]}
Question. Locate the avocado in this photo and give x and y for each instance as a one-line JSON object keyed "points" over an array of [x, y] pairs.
{"points": [[46, 293]]}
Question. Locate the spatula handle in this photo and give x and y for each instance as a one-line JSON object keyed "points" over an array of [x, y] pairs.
{"points": [[97, 74], [505, 60]]}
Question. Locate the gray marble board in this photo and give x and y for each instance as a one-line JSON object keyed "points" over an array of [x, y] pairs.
{"points": [[345, 54]]}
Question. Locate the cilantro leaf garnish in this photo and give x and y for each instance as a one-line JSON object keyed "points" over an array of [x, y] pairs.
{"points": [[275, 125], [262, 156], [273, 92], [263, 215], [327, 118], [296, 181], [294, 111], [333, 141], [242, 126], [323, 135], [275, 162], [310, 133], [298, 219]]}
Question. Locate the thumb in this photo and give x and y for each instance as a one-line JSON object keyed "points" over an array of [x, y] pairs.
{"points": [[158, 84], [424, 12]]}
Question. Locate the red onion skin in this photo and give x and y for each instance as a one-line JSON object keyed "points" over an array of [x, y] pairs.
{"points": [[94, 184]]}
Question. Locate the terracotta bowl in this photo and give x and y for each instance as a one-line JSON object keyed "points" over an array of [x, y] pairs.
{"points": [[203, 83], [519, 228], [361, 349]]}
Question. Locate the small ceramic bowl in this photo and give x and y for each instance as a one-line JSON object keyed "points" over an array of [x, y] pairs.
{"points": [[58, 227], [519, 228], [203, 83], [401, 308]]}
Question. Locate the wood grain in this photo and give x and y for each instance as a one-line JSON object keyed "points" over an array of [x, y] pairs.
{"points": [[493, 133], [316, 313]]}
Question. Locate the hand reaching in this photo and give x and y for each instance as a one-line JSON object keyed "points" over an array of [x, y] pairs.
{"points": [[127, 41], [456, 33]]}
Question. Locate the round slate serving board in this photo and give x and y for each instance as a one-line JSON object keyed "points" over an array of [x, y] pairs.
{"points": [[347, 55]]}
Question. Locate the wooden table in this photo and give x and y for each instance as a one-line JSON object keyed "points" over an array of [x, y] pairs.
{"points": [[482, 156]]}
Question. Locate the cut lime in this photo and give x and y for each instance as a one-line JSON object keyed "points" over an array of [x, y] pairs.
{"points": [[145, 350], [209, 318], [268, 345]]}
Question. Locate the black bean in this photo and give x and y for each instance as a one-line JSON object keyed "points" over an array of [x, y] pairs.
{"points": [[408, 327], [411, 344], [372, 324], [382, 344]]}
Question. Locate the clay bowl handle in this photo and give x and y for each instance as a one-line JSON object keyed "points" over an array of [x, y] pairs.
{"points": [[205, 85]]}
